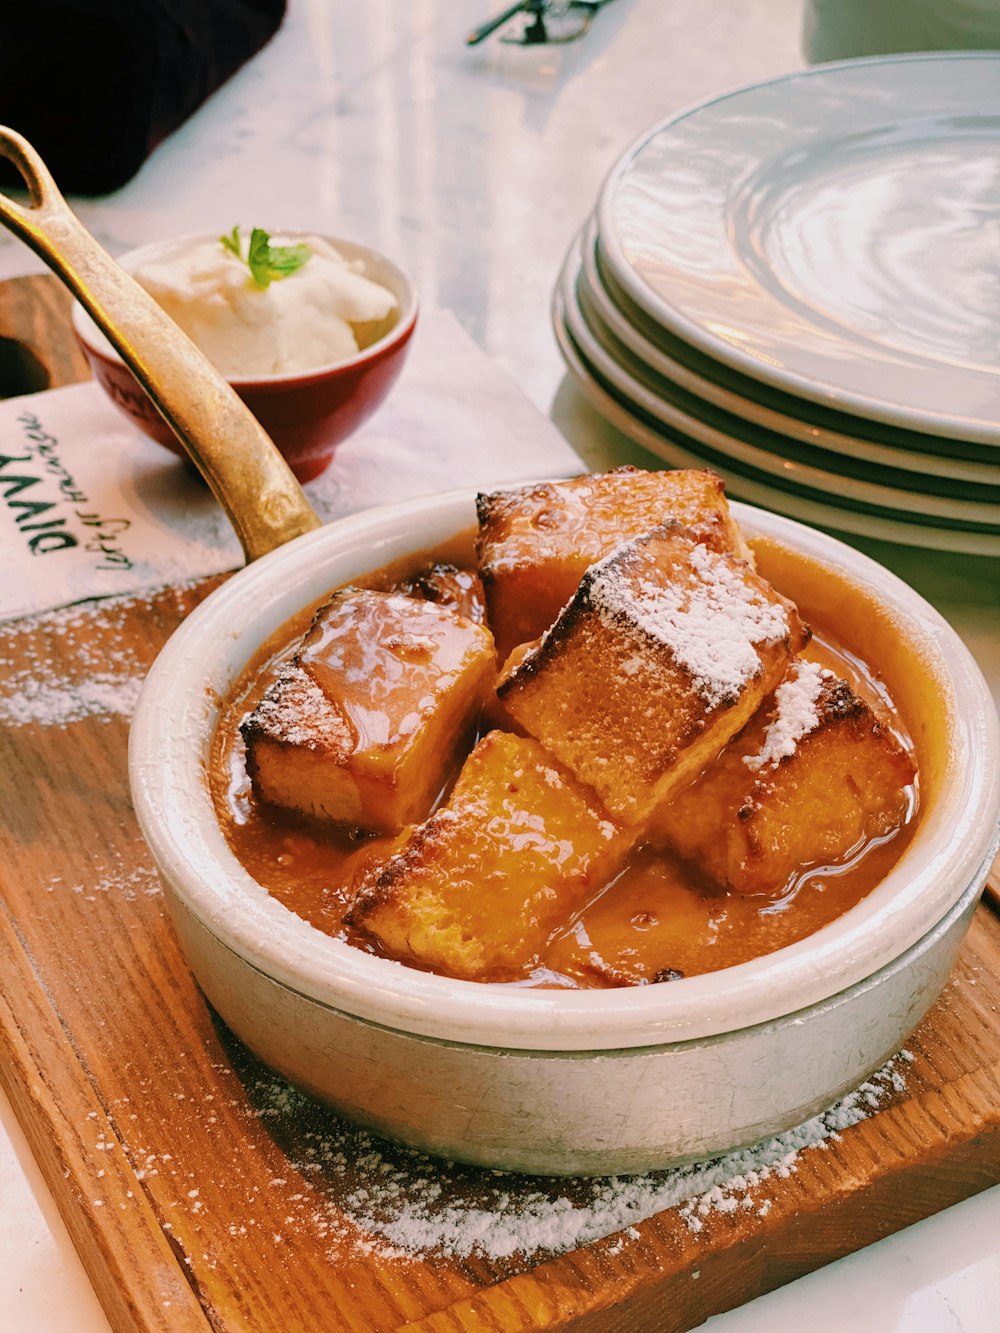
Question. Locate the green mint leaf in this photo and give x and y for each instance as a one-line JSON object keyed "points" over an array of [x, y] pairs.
{"points": [[233, 243], [286, 259], [266, 262], [269, 262], [259, 257]]}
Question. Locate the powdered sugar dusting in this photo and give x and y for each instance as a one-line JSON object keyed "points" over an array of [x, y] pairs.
{"points": [[399, 1204], [75, 663], [119, 881], [710, 623], [778, 1159], [295, 711], [795, 717], [27, 699]]}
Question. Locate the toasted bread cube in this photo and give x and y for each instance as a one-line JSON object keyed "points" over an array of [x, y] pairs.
{"points": [[478, 889], [813, 774], [296, 741], [665, 652], [447, 586], [367, 721], [535, 543]]}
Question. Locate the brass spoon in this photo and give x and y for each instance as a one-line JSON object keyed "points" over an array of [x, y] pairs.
{"points": [[248, 476]]}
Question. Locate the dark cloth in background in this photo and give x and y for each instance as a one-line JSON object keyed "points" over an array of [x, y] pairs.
{"points": [[95, 85]]}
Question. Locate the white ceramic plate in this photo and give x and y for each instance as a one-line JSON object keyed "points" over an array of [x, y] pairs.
{"points": [[645, 346], [750, 487], [889, 491], [752, 447], [833, 233]]}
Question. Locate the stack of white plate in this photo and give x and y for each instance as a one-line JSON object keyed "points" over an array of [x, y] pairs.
{"points": [[798, 284]]}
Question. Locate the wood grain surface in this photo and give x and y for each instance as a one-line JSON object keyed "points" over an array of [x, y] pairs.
{"points": [[203, 1193], [37, 347]]}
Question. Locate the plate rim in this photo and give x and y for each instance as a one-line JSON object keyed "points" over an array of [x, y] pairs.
{"points": [[729, 400], [758, 494], [974, 429], [615, 370]]}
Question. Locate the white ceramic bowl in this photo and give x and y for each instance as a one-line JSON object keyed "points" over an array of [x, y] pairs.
{"points": [[556, 1081]]}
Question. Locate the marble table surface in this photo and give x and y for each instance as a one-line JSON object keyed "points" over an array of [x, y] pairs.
{"points": [[476, 167]]}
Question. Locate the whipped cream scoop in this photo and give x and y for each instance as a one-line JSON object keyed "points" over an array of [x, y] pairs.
{"points": [[324, 311]]}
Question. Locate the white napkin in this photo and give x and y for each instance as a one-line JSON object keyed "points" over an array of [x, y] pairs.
{"points": [[89, 507]]}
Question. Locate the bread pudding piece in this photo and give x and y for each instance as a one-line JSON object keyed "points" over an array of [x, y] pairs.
{"points": [[535, 543], [665, 652], [366, 722], [812, 774], [458, 590], [479, 888]]}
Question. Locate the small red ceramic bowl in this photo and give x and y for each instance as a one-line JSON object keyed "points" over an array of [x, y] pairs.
{"points": [[307, 413]]}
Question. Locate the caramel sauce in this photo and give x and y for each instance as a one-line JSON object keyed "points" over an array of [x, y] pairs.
{"points": [[386, 685], [653, 922]]}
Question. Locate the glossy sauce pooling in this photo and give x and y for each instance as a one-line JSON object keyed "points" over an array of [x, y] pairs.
{"points": [[654, 921], [384, 683]]}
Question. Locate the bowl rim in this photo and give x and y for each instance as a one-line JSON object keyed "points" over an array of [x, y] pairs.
{"points": [[966, 901], [97, 344], [168, 752]]}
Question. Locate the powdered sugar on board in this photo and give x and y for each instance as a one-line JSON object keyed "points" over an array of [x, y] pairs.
{"points": [[78, 663], [98, 677], [399, 1204], [27, 699]]}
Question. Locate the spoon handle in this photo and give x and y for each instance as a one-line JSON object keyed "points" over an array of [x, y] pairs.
{"points": [[265, 504]]}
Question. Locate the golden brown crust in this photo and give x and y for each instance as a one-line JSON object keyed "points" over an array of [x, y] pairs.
{"points": [[813, 774], [294, 711], [477, 890], [536, 542], [365, 724], [447, 586], [663, 654]]}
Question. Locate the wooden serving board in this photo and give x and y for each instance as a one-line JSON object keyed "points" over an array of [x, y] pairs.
{"points": [[202, 1193]]}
